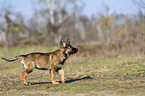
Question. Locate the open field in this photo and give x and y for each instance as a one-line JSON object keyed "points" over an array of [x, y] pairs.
{"points": [[106, 76]]}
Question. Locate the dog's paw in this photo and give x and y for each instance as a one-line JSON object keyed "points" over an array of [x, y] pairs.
{"points": [[55, 82], [63, 81], [26, 84], [29, 84]]}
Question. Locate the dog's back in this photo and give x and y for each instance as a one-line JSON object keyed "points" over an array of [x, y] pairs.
{"points": [[44, 61]]}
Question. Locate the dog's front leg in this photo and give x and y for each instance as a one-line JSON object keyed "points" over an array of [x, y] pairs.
{"points": [[52, 72], [61, 72]]}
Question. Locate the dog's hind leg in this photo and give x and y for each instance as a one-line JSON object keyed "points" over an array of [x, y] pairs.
{"points": [[23, 75], [29, 66], [22, 65]]}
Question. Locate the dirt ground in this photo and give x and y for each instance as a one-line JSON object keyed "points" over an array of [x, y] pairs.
{"points": [[115, 69]]}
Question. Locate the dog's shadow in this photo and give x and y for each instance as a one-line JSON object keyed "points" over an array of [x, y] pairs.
{"points": [[67, 81]]}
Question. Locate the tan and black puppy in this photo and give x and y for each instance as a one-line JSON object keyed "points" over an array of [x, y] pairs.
{"points": [[52, 61]]}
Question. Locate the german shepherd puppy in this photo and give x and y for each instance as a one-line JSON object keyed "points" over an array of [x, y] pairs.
{"points": [[52, 61]]}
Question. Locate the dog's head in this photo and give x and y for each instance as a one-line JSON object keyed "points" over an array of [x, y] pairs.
{"points": [[67, 47]]}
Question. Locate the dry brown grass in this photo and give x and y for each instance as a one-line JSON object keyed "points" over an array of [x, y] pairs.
{"points": [[125, 48], [85, 75]]}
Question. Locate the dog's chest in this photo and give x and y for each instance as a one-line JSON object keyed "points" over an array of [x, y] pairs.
{"points": [[62, 61]]}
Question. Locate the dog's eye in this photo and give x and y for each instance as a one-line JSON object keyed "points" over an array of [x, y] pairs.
{"points": [[69, 47]]}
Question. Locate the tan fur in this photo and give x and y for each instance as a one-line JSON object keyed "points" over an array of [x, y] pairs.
{"points": [[46, 61], [40, 61]]}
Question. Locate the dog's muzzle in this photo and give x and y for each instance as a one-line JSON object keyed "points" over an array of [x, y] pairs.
{"points": [[73, 51]]}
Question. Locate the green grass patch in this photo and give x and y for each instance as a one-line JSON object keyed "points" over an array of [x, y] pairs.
{"points": [[110, 76]]}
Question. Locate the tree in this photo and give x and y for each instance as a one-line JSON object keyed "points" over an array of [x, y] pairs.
{"points": [[58, 12], [139, 3], [11, 27], [141, 22]]}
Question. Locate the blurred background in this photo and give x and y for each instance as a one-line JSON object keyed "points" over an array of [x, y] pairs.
{"points": [[110, 36], [112, 25]]}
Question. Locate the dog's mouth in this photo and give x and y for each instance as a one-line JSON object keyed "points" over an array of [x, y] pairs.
{"points": [[73, 51]]}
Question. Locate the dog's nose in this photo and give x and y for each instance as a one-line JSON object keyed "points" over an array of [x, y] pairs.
{"points": [[76, 49]]}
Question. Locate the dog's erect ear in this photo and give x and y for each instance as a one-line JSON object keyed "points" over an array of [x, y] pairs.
{"points": [[68, 41], [62, 43]]}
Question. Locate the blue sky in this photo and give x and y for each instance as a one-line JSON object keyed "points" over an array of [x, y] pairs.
{"points": [[92, 7], [117, 6]]}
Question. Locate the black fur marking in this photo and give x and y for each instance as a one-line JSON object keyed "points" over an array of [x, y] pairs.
{"points": [[30, 71], [58, 69], [41, 68], [10, 59]]}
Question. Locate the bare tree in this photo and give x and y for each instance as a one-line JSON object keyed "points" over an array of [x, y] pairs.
{"points": [[11, 26], [3, 15], [58, 13], [139, 3], [141, 7]]}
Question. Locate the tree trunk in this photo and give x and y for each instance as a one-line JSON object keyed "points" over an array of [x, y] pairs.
{"points": [[99, 31], [6, 43]]}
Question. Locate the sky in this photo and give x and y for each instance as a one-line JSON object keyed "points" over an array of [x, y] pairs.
{"points": [[117, 6], [91, 7]]}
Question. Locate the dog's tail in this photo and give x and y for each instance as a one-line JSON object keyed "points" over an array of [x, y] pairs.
{"points": [[13, 59], [10, 59]]}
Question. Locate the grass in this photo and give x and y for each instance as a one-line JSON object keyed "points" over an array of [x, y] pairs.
{"points": [[109, 76]]}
